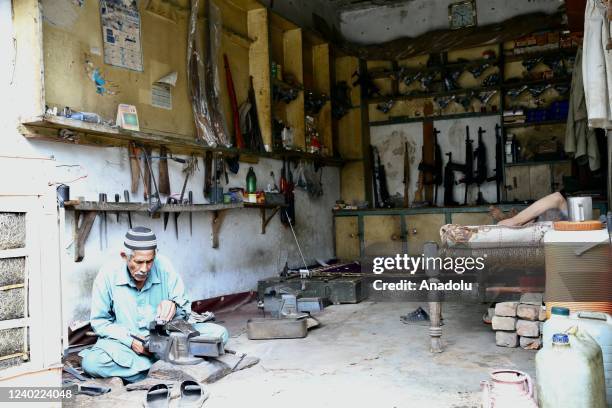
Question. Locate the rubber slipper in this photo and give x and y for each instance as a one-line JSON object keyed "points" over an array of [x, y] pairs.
{"points": [[158, 396], [418, 316], [192, 395]]}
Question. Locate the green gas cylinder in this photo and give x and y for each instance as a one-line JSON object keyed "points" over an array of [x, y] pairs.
{"points": [[251, 181]]}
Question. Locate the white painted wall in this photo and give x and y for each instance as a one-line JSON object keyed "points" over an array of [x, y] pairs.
{"points": [[244, 255], [375, 23], [390, 142]]}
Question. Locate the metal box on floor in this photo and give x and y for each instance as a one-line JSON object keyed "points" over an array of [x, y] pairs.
{"points": [[337, 288]]}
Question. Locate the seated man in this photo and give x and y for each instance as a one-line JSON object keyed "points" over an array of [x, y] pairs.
{"points": [[553, 207], [128, 294]]}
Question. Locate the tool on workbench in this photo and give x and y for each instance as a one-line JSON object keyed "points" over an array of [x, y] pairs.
{"points": [[164, 179], [190, 202], [154, 200], [117, 202], [103, 225], [126, 197]]}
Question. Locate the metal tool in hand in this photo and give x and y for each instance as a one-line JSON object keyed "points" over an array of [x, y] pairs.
{"points": [[126, 197], [103, 225]]}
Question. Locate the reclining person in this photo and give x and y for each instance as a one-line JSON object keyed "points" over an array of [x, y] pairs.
{"points": [[553, 207], [127, 295]]}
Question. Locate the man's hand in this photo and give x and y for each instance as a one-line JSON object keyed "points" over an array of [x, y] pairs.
{"points": [[166, 310], [139, 348]]}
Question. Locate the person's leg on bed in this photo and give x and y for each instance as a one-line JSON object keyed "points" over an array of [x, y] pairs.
{"points": [[551, 201]]}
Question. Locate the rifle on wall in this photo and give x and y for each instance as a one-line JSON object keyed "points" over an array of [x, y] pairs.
{"points": [[499, 164], [406, 176], [381, 192], [481, 165], [467, 169], [433, 169]]}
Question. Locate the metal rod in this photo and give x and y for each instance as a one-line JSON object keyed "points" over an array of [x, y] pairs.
{"points": [[296, 240]]}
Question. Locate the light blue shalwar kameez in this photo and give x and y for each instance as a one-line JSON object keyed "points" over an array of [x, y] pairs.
{"points": [[119, 309]]}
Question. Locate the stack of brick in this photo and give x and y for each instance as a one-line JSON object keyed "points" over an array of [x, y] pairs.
{"points": [[520, 323]]}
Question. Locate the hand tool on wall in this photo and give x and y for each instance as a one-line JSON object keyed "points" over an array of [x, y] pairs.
{"points": [[126, 197], [234, 103], [147, 173], [117, 201], [134, 166], [407, 176], [208, 159], [164, 179], [103, 226], [171, 200], [257, 143], [154, 201], [190, 202]]}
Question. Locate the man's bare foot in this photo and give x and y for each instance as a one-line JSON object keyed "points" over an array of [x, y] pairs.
{"points": [[508, 222], [496, 213]]}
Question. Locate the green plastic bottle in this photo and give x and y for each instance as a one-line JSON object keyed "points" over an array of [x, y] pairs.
{"points": [[251, 181]]}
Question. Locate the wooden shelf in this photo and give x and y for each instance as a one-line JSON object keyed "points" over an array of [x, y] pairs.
{"points": [[538, 162], [433, 94], [144, 207], [265, 219], [532, 124], [536, 54], [553, 81], [89, 211], [408, 119], [61, 129], [382, 74]]}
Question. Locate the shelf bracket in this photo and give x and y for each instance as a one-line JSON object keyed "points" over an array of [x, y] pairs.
{"points": [[265, 221], [82, 232], [217, 220]]}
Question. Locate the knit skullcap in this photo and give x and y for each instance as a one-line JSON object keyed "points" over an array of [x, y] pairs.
{"points": [[140, 239]]}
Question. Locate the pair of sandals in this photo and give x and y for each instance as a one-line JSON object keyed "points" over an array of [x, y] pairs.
{"points": [[192, 395]]}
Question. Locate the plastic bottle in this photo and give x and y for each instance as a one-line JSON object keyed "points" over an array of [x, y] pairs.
{"points": [[251, 181], [558, 322], [570, 372]]}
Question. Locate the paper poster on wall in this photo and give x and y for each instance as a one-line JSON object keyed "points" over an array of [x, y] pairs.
{"points": [[121, 33], [161, 91]]}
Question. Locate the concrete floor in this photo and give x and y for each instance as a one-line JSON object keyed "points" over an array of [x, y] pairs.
{"points": [[363, 356]]}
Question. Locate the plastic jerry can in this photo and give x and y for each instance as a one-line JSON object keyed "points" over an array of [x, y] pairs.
{"points": [[570, 372], [597, 324]]}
